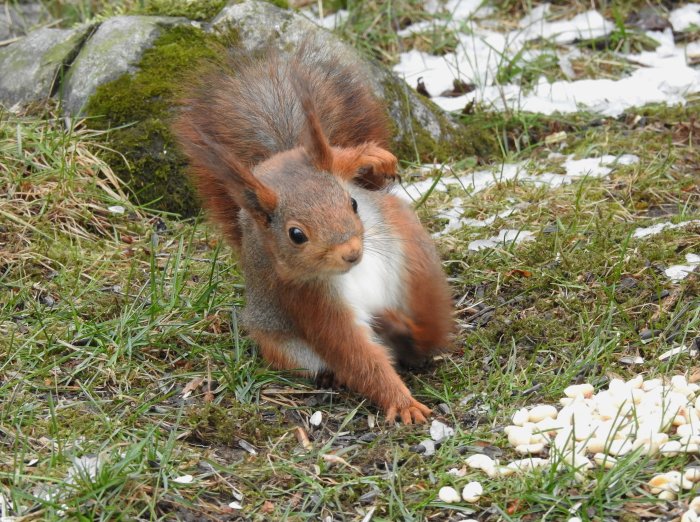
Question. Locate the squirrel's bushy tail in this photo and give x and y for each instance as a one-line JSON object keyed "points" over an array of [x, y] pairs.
{"points": [[253, 106]]}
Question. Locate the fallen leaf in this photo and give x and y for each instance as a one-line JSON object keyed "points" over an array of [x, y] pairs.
{"points": [[302, 437], [192, 386]]}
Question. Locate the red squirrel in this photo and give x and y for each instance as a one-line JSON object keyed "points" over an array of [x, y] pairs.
{"points": [[289, 155]]}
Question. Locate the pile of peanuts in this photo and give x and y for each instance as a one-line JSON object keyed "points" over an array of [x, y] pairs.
{"points": [[649, 417]]}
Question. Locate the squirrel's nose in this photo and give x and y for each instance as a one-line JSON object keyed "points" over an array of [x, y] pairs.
{"points": [[351, 256], [351, 251]]}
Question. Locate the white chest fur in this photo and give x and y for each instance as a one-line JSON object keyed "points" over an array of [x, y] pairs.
{"points": [[375, 284]]}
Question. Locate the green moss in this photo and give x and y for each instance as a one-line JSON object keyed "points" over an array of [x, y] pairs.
{"points": [[199, 10], [137, 107], [214, 424], [279, 3]]}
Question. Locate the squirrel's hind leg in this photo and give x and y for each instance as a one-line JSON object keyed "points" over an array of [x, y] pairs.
{"points": [[285, 352], [396, 330]]}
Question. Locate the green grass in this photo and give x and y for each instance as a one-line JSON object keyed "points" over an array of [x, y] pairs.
{"points": [[107, 318]]}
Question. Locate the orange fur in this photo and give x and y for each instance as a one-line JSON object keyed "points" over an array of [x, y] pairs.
{"points": [[268, 139], [356, 361]]}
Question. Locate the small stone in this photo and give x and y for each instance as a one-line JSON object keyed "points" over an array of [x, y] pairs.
{"points": [[472, 492], [316, 419], [440, 431], [449, 495], [429, 447], [444, 408], [367, 437], [679, 383], [687, 440]]}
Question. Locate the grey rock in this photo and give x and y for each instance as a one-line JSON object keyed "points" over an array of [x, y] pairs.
{"points": [[31, 66], [18, 19], [114, 49], [259, 24]]}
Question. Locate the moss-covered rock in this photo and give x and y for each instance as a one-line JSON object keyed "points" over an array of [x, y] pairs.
{"points": [[138, 107], [115, 48], [139, 104], [31, 66]]}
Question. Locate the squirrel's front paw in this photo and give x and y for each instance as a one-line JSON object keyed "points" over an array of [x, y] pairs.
{"points": [[415, 412], [377, 167]]}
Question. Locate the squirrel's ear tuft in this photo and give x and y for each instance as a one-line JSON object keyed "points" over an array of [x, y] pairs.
{"points": [[235, 178], [314, 140]]}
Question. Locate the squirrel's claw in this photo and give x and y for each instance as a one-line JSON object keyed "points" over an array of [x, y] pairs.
{"points": [[415, 413]]}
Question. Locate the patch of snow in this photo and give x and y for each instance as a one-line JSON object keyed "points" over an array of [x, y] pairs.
{"points": [[85, 468], [477, 181], [665, 77], [504, 236], [584, 26], [679, 272], [335, 20], [482, 179], [660, 227], [455, 221], [685, 17], [330, 22]]}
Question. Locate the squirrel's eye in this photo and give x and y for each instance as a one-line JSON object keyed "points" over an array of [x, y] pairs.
{"points": [[297, 236], [354, 205]]}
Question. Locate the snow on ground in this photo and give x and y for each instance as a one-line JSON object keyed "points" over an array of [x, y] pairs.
{"points": [[678, 272], [475, 182], [685, 17], [660, 227], [662, 75]]}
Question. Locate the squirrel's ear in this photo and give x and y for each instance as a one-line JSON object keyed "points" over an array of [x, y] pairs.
{"points": [[237, 179], [314, 140]]}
